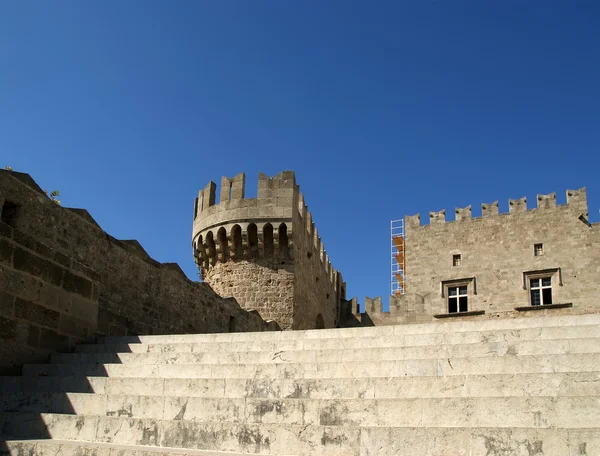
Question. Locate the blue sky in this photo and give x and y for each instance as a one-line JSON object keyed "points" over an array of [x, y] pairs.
{"points": [[381, 108]]}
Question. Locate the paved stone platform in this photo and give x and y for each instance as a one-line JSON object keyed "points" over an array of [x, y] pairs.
{"points": [[527, 386]]}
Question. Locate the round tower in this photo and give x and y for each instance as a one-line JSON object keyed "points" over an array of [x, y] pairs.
{"points": [[266, 252], [243, 245]]}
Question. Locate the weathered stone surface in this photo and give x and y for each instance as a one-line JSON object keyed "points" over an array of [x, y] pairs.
{"points": [[36, 266], [510, 389], [37, 314], [70, 448]]}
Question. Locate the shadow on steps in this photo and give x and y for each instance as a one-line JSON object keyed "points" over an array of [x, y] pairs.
{"points": [[29, 402]]}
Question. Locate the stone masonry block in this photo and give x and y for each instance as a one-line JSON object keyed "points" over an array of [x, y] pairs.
{"points": [[234, 204], [225, 189], [267, 202], [270, 212], [8, 329], [546, 201], [489, 209], [24, 240], [77, 284], [463, 213], [7, 304], [238, 190], [54, 298], [264, 181], [210, 211], [52, 254], [233, 214], [85, 271], [84, 309], [32, 264], [6, 251], [209, 195], [413, 221], [74, 326], [577, 196], [437, 217], [6, 230], [51, 340], [35, 313], [33, 339], [285, 201], [517, 205]]}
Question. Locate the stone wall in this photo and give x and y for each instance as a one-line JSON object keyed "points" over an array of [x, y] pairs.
{"points": [[48, 301], [317, 286], [259, 285], [497, 257], [134, 294]]}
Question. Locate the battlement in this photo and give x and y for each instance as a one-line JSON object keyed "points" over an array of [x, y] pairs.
{"points": [[317, 249], [576, 199], [233, 190], [275, 202]]}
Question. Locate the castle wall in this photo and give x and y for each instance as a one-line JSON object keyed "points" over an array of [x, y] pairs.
{"points": [[316, 292], [135, 294], [497, 257], [48, 301]]}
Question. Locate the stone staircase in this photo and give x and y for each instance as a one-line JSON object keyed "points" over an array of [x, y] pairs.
{"points": [[527, 386]]}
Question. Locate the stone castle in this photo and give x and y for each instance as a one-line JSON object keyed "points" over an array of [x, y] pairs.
{"points": [[490, 349]]}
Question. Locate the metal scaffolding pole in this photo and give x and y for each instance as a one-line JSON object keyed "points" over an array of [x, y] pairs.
{"points": [[398, 257]]}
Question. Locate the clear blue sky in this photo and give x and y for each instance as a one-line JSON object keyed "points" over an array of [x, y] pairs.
{"points": [[381, 108]]}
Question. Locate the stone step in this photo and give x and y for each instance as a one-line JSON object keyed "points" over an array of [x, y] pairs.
{"points": [[463, 441], [80, 448], [391, 340], [457, 440], [486, 385], [422, 328], [409, 367], [78, 384], [274, 439], [529, 347], [553, 412]]}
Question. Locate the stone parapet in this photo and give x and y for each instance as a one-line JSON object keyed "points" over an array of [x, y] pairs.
{"points": [[576, 200]]}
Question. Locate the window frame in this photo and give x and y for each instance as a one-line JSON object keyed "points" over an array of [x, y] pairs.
{"points": [[469, 282], [456, 259], [539, 288], [555, 276], [462, 291]]}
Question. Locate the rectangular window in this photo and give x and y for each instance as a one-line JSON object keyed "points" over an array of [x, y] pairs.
{"points": [[458, 299], [456, 260], [9, 213], [541, 291], [538, 249]]}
